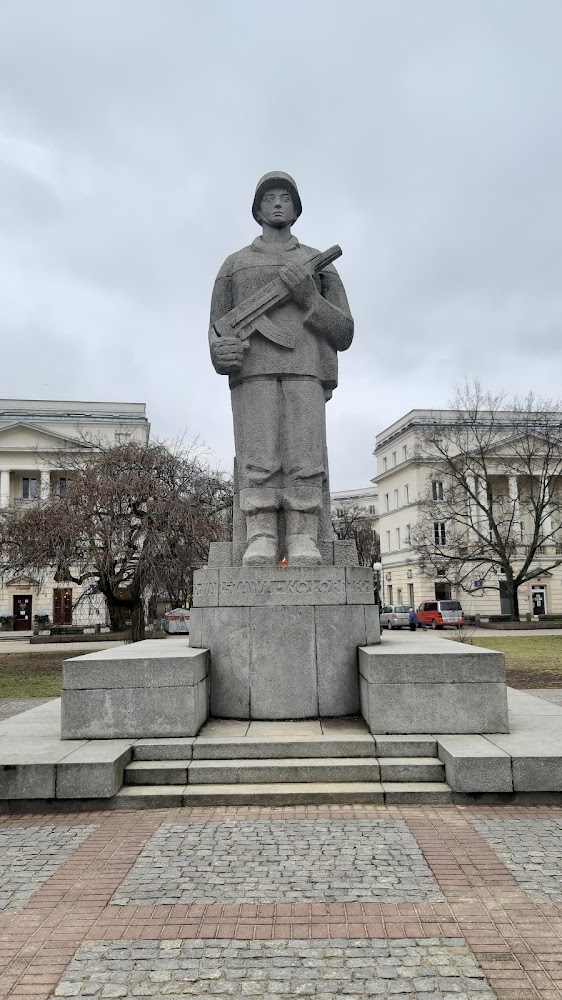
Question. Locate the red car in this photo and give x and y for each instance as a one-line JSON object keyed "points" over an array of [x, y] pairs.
{"points": [[437, 614]]}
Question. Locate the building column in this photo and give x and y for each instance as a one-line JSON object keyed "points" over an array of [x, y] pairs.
{"points": [[514, 499], [45, 488], [4, 488]]}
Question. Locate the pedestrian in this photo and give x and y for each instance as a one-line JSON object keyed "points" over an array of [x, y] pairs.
{"points": [[413, 620]]}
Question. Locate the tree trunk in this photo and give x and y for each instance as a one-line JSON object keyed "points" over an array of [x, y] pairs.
{"points": [[117, 616], [513, 603], [137, 622]]}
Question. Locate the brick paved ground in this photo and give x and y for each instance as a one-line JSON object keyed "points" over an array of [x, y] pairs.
{"points": [[486, 920]]}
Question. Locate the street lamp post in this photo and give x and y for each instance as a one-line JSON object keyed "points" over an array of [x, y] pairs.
{"points": [[377, 567]]}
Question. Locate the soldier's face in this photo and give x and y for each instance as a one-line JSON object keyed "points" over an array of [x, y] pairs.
{"points": [[277, 208]]}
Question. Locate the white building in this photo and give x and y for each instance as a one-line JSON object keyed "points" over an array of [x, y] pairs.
{"points": [[33, 436], [364, 500], [402, 479]]}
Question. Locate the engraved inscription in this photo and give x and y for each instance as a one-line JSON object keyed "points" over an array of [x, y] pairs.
{"points": [[265, 586]]}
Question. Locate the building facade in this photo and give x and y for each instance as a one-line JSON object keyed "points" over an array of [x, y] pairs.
{"points": [[34, 437], [405, 475]]}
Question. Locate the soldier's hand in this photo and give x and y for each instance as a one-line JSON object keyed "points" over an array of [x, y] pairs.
{"points": [[300, 284], [227, 355]]}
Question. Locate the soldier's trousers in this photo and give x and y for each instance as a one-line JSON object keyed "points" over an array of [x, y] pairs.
{"points": [[280, 440]]}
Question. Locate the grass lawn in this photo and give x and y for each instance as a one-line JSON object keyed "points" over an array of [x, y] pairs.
{"points": [[37, 675], [531, 661]]}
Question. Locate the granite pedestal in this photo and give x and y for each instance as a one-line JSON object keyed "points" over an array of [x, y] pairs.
{"points": [[438, 686], [283, 641], [144, 689]]}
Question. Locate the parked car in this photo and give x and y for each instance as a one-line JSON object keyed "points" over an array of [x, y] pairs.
{"points": [[437, 614], [395, 616]]}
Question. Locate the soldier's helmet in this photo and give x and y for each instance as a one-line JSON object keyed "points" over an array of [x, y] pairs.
{"points": [[276, 178]]}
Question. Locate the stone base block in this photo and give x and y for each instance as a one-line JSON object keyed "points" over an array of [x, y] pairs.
{"points": [[440, 687], [284, 662], [145, 689], [274, 586]]}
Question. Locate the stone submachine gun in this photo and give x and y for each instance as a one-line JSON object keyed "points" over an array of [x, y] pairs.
{"points": [[251, 315]]}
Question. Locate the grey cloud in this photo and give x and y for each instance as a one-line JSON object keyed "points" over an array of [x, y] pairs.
{"points": [[425, 137]]}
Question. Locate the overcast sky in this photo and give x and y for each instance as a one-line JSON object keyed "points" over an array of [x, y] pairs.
{"points": [[425, 137]]}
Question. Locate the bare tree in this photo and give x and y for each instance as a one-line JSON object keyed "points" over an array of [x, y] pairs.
{"points": [[493, 505], [134, 520], [353, 524]]}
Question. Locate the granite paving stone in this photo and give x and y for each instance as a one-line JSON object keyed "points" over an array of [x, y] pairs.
{"points": [[429, 969], [532, 851], [263, 861], [30, 855]]}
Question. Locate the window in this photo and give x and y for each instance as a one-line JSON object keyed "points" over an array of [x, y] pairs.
{"points": [[411, 594], [28, 488], [389, 588], [63, 483], [404, 452], [339, 511], [398, 539], [372, 509], [408, 538], [386, 501], [439, 532], [394, 458], [406, 494], [388, 541], [384, 465], [437, 490], [399, 595], [396, 500]]}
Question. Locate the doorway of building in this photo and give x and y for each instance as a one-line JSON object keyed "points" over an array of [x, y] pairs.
{"points": [[539, 600], [22, 612], [62, 606]]}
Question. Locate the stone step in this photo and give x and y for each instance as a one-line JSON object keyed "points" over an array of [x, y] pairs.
{"points": [[405, 746], [411, 769], [269, 747], [156, 772], [429, 792], [294, 793], [243, 772], [281, 771], [279, 747]]}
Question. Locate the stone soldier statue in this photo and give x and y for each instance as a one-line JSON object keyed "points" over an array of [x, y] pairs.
{"points": [[282, 369]]}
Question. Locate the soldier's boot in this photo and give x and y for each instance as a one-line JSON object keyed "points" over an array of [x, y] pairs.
{"points": [[302, 533], [261, 532]]}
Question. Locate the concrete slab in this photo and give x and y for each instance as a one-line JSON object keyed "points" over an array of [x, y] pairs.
{"points": [[258, 748], [147, 664], [282, 794], [164, 748], [474, 764], [344, 769], [428, 684], [94, 770], [534, 743], [406, 745], [416, 791], [35, 763], [408, 769], [224, 728], [160, 772]]}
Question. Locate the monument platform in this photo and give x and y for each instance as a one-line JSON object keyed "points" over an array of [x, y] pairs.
{"points": [[283, 641], [314, 761]]}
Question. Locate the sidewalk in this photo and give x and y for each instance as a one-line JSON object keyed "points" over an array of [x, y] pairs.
{"points": [[357, 901]]}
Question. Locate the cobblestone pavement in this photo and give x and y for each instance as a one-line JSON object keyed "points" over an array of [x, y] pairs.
{"points": [[30, 855], [532, 850], [263, 969], [483, 932], [266, 861]]}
